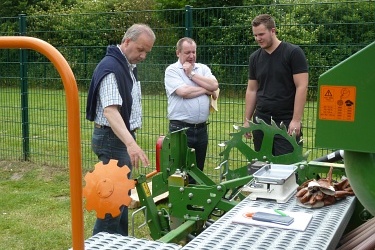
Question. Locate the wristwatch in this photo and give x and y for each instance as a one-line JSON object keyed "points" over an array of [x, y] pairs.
{"points": [[191, 75]]}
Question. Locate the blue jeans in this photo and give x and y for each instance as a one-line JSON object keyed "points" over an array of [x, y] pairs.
{"points": [[106, 145], [197, 138]]}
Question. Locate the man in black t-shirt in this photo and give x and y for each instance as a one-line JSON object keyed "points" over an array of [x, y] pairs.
{"points": [[277, 85]]}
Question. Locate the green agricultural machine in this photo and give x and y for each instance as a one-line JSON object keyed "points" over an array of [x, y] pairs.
{"points": [[200, 216], [343, 125], [193, 207], [345, 119]]}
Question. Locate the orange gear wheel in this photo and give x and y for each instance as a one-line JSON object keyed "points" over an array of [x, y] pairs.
{"points": [[107, 189]]}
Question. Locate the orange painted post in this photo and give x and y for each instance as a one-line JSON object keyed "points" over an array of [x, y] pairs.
{"points": [[149, 175], [74, 138]]}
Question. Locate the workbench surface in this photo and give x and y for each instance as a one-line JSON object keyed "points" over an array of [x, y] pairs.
{"points": [[323, 232]]}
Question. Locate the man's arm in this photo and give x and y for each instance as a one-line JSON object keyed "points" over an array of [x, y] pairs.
{"points": [[207, 82], [174, 82], [187, 91], [119, 128], [301, 82], [250, 100]]}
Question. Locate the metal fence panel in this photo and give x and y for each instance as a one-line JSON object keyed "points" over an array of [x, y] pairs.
{"points": [[214, 29]]}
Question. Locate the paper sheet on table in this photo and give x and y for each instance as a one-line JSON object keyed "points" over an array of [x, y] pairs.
{"points": [[301, 220], [213, 103]]}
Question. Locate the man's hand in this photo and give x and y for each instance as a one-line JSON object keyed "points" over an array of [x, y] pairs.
{"points": [[246, 125], [214, 94], [188, 68], [137, 154], [294, 126]]}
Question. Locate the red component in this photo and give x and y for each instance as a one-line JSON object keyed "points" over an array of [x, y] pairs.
{"points": [[159, 145]]}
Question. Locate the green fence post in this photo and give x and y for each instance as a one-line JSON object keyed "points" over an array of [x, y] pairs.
{"points": [[24, 93], [188, 21]]}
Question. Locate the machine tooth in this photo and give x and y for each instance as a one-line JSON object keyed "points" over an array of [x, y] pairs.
{"points": [[274, 125], [282, 126], [294, 134], [306, 154], [262, 121]]}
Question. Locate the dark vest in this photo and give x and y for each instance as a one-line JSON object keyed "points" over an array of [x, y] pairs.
{"points": [[113, 62]]}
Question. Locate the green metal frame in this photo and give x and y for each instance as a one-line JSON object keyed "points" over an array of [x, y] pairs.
{"points": [[191, 205]]}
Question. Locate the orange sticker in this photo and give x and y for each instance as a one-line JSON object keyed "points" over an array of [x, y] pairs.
{"points": [[248, 215], [337, 103]]}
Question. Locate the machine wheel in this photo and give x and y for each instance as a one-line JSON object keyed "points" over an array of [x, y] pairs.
{"points": [[107, 189], [245, 153]]}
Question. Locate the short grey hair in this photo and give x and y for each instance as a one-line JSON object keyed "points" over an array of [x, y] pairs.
{"points": [[182, 40], [136, 30]]}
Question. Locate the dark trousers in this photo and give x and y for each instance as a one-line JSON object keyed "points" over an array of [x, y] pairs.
{"points": [[197, 138], [106, 145], [281, 146]]}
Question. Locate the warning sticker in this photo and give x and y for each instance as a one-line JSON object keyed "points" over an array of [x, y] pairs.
{"points": [[337, 103], [146, 189]]}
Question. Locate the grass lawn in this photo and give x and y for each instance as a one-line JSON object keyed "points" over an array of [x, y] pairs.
{"points": [[35, 208]]}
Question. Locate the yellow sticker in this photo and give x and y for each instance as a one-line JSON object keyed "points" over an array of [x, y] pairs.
{"points": [[146, 189], [337, 103]]}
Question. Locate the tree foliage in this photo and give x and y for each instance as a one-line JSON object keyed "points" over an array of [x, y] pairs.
{"points": [[12, 8], [177, 4], [328, 31]]}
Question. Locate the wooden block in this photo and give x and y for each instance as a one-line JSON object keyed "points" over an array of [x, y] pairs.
{"points": [[135, 203]]}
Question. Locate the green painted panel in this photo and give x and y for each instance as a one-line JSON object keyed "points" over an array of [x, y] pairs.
{"points": [[346, 104]]}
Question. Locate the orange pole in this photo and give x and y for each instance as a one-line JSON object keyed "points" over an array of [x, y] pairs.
{"points": [[149, 175], [74, 139]]}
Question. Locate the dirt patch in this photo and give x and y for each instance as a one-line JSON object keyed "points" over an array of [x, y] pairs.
{"points": [[15, 170], [16, 176]]}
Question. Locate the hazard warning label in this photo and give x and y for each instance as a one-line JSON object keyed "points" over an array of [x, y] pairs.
{"points": [[337, 103]]}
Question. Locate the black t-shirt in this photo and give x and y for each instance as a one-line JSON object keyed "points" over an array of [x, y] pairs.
{"points": [[274, 73]]}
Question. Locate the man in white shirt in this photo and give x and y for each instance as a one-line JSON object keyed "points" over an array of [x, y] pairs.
{"points": [[189, 86]]}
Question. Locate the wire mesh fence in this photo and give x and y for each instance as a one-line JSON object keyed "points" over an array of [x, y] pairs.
{"points": [[33, 108]]}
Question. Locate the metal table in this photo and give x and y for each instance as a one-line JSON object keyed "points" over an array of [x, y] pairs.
{"points": [[324, 231], [106, 241]]}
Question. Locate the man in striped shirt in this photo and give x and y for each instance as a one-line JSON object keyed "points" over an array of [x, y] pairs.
{"points": [[114, 105]]}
